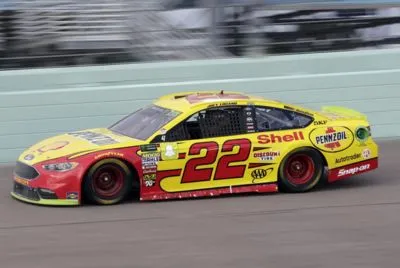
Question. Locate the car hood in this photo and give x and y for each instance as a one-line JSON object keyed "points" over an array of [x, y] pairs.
{"points": [[84, 141]]}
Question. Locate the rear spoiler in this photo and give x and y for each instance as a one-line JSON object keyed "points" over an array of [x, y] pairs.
{"points": [[343, 112]]}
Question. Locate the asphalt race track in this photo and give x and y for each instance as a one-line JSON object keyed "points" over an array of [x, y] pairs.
{"points": [[352, 223]]}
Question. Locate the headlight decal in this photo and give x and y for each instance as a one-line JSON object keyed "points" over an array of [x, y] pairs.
{"points": [[60, 167]]}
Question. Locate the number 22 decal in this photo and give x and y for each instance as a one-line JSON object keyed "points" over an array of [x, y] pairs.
{"points": [[223, 171]]}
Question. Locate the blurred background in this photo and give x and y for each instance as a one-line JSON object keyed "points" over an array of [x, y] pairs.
{"points": [[51, 33]]}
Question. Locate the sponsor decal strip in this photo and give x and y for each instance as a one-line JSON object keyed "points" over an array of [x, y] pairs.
{"points": [[353, 169], [150, 160]]}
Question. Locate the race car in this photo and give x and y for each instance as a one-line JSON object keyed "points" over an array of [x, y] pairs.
{"points": [[198, 144]]}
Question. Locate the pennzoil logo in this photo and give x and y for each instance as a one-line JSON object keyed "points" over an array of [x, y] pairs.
{"points": [[332, 139]]}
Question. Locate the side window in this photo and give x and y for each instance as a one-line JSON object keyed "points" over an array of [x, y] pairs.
{"points": [[208, 123], [279, 119]]}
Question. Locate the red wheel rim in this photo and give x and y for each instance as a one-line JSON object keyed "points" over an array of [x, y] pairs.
{"points": [[299, 169], [108, 180]]}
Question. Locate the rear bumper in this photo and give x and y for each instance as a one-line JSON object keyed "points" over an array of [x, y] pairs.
{"points": [[352, 169]]}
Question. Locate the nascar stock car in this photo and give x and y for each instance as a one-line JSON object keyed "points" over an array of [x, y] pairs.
{"points": [[195, 144]]}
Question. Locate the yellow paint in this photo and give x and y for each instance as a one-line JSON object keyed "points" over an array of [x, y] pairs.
{"points": [[277, 144], [50, 148], [332, 139], [47, 202], [169, 151]]}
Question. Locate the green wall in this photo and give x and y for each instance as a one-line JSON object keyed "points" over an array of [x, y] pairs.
{"points": [[35, 104]]}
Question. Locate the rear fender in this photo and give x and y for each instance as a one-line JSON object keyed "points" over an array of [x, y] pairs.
{"points": [[344, 112]]}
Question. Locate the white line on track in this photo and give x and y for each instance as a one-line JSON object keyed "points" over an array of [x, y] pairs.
{"points": [[200, 82]]}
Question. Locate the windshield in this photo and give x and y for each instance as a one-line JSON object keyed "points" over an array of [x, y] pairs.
{"points": [[144, 122]]}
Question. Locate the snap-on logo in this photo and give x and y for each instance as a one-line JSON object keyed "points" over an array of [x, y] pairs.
{"points": [[352, 171]]}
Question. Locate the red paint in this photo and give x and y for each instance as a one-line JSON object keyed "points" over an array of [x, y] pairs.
{"points": [[224, 170], [194, 174], [256, 165], [259, 188], [182, 156], [273, 138], [63, 182], [299, 169], [168, 173], [255, 149], [353, 169], [332, 145], [59, 182]]}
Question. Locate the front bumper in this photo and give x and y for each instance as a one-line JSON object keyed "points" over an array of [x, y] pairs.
{"points": [[33, 184], [33, 195]]}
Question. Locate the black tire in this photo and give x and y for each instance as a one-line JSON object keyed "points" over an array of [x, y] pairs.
{"points": [[300, 171], [108, 182]]}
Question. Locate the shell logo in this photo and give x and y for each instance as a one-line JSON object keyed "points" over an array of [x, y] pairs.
{"points": [[332, 139], [53, 146]]}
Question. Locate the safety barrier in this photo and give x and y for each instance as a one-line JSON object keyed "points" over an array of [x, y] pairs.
{"points": [[35, 104]]}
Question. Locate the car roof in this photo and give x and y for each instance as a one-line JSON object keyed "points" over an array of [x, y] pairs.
{"points": [[184, 101]]}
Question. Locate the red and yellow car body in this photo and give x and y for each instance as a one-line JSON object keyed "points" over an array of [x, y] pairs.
{"points": [[164, 164]]}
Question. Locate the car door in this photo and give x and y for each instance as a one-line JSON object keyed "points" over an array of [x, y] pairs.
{"points": [[277, 131], [208, 150]]}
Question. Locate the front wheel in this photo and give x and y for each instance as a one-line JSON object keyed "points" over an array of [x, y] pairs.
{"points": [[301, 170], [108, 182]]}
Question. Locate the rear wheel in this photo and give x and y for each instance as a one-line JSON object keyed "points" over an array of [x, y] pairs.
{"points": [[301, 170], [108, 182]]}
